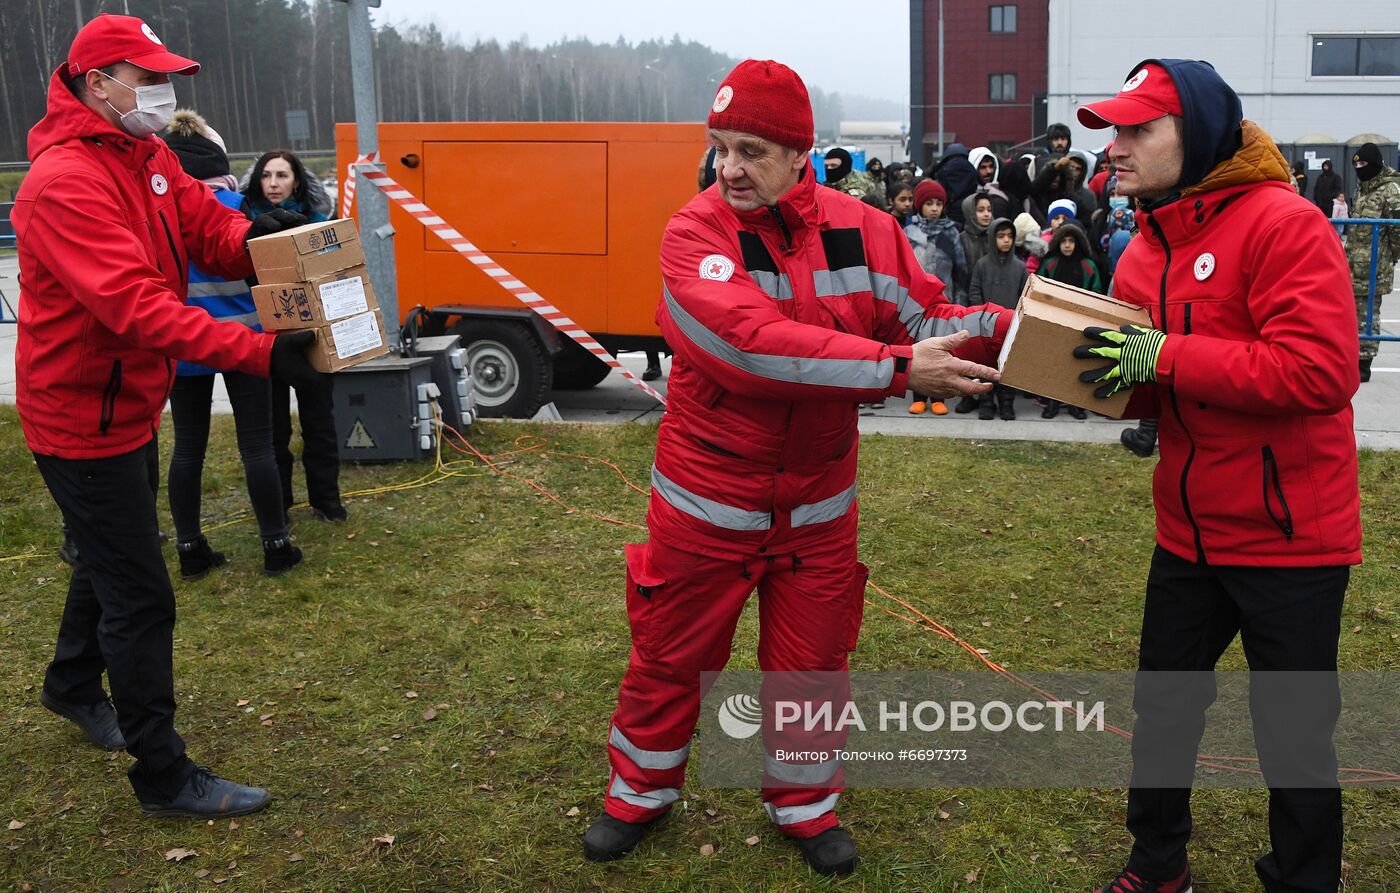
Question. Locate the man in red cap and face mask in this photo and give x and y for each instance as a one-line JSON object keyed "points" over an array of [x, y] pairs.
{"points": [[107, 225], [1251, 363], [787, 305]]}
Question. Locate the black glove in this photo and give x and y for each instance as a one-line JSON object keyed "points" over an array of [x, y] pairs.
{"points": [[289, 363], [274, 221]]}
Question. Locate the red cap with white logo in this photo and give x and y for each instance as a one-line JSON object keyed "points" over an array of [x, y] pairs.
{"points": [[112, 38], [1147, 95]]}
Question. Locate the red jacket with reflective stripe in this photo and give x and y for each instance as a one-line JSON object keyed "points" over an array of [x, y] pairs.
{"points": [[107, 226], [783, 320], [1258, 455]]}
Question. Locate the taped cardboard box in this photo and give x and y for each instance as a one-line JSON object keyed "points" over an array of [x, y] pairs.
{"points": [[305, 305], [307, 252], [1038, 354], [348, 342]]}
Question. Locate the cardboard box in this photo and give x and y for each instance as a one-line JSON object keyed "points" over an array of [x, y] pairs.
{"points": [[307, 252], [349, 342], [307, 305], [1038, 355]]}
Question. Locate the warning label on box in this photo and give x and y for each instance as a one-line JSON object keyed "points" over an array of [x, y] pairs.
{"points": [[356, 335], [343, 297]]}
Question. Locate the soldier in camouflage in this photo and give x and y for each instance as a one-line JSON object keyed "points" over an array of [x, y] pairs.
{"points": [[842, 178], [1377, 196]]}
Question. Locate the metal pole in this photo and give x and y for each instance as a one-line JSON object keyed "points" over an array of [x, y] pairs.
{"points": [[940, 79], [376, 235]]}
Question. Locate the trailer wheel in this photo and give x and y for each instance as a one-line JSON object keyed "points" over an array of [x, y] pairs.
{"points": [[510, 372], [575, 369]]}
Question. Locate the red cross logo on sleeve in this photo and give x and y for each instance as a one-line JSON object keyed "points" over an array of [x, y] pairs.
{"points": [[716, 267]]}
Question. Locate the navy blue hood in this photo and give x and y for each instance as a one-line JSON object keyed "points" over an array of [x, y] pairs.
{"points": [[1212, 113]]}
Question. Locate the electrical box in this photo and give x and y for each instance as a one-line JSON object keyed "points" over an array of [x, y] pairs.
{"points": [[453, 377], [384, 410]]}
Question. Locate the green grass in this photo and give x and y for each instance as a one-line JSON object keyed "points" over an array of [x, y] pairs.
{"points": [[504, 614]]}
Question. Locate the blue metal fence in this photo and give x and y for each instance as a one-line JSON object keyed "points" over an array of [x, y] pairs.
{"points": [[1364, 332]]}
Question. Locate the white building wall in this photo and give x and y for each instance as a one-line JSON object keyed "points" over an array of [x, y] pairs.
{"points": [[1262, 48]]}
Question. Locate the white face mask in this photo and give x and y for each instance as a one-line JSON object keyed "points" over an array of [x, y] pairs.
{"points": [[155, 106]]}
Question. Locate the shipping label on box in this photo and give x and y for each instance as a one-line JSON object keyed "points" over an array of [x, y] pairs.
{"points": [[349, 342], [305, 305], [1037, 355], [307, 252]]}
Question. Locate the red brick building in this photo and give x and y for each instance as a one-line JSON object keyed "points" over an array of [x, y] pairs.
{"points": [[995, 73]]}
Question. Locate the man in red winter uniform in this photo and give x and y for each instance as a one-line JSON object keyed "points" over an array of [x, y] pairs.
{"points": [[787, 306], [1252, 370], [107, 225]]}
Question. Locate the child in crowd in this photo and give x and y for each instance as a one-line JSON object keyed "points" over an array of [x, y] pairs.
{"points": [[938, 246], [998, 278], [1070, 262], [974, 235], [901, 201]]}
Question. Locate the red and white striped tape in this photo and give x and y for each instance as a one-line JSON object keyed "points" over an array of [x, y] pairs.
{"points": [[440, 228]]}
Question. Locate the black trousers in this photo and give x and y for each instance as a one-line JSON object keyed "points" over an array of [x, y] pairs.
{"points": [[1287, 619], [120, 613], [251, 398], [320, 452]]}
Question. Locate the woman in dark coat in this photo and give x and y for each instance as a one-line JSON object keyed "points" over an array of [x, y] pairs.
{"points": [[1328, 187]]}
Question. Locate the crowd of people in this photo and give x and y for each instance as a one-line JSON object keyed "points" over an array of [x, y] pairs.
{"points": [[982, 224]]}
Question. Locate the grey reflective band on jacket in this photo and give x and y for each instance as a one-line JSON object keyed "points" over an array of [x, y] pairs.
{"points": [[867, 375], [801, 773], [223, 288], [777, 285], [837, 283], [648, 759], [707, 510], [791, 815], [828, 509], [247, 319], [888, 289], [657, 799], [980, 325]]}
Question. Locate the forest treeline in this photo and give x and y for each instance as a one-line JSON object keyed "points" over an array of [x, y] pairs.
{"points": [[263, 58]]}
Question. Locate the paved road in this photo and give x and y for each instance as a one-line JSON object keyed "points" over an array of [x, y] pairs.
{"points": [[1377, 404]]}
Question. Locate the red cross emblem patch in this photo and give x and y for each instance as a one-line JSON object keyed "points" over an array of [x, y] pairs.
{"points": [[716, 267], [1205, 265]]}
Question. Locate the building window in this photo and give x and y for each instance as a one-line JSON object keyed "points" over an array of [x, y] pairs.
{"points": [[1003, 19], [1344, 56], [1002, 88]]}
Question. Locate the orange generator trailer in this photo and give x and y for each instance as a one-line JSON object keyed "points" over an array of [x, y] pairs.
{"points": [[574, 210]]}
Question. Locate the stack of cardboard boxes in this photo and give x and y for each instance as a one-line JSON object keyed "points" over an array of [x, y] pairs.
{"points": [[314, 277]]}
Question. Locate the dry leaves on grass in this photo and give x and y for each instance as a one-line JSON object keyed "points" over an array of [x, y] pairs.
{"points": [[179, 854], [16, 824], [572, 812], [385, 840], [429, 715], [751, 841], [707, 850]]}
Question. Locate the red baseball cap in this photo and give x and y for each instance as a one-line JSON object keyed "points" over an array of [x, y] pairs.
{"points": [[113, 38], [1145, 96]]}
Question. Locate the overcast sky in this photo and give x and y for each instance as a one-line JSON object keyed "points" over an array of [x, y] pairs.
{"points": [[845, 47]]}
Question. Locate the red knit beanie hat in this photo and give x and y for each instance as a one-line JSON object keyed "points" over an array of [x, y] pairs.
{"points": [[767, 99], [927, 189]]}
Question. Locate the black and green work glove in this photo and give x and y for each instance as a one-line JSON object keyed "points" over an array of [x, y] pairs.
{"points": [[1133, 351]]}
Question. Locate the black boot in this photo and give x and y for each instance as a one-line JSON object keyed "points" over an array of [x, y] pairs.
{"points": [[207, 796], [197, 559], [97, 721], [966, 404], [831, 852], [986, 407], [1052, 409], [1141, 440], [1076, 412], [279, 555], [611, 838], [1365, 367], [1006, 402], [332, 511]]}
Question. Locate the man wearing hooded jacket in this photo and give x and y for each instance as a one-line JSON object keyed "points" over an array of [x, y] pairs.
{"points": [[107, 224], [787, 305], [1258, 511], [1377, 196]]}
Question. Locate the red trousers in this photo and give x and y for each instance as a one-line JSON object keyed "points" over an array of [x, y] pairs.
{"points": [[683, 608]]}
